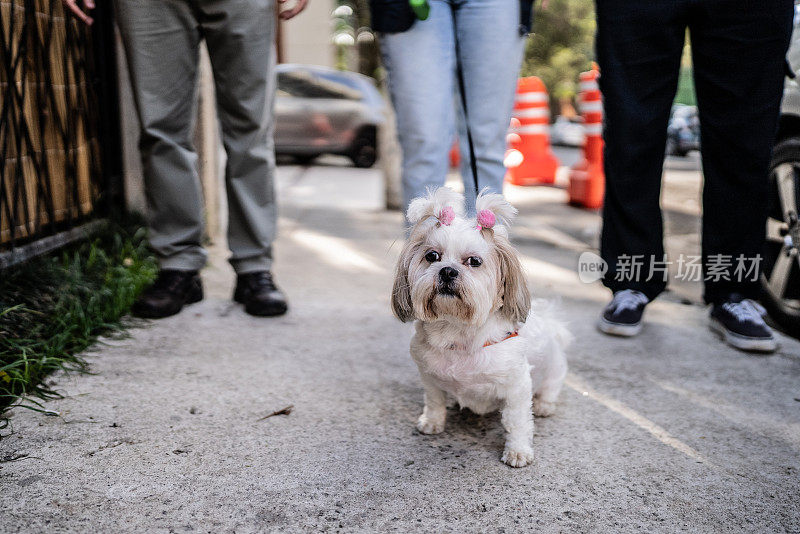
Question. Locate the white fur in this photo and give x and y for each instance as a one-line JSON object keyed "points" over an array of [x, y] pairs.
{"points": [[421, 208], [519, 376]]}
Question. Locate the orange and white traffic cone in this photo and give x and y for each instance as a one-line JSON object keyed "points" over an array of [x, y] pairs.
{"points": [[454, 155], [529, 158], [587, 179]]}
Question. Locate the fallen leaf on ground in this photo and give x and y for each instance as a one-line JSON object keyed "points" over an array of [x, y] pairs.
{"points": [[282, 411]]}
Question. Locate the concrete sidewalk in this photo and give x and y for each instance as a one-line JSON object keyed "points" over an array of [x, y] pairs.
{"points": [[670, 431]]}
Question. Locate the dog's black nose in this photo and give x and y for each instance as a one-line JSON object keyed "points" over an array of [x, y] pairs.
{"points": [[448, 273]]}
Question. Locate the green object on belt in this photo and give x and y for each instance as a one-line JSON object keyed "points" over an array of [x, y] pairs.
{"points": [[421, 8]]}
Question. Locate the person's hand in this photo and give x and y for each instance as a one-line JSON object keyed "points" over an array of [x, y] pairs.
{"points": [[72, 5], [286, 14]]}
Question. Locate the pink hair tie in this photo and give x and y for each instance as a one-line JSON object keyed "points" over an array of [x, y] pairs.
{"points": [[486, 219], [446, 216]]}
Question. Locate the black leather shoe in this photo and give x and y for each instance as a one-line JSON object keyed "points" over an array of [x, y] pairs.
{"points": [[169, 293], [259, 294]]}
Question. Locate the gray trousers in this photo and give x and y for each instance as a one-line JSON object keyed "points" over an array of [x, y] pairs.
{"points": [[162, 39]]}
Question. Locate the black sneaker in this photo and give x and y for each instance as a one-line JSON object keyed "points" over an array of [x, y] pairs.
{"points": [[740, 322], [171, 291], [259, 294], [623, 315]]}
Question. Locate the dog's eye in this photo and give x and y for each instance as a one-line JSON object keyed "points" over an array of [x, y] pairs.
{"points": [[474, 261], [432, 256]]}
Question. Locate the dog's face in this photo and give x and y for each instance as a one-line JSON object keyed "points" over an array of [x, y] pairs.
{"points": [[452, 268], [453, 273]]}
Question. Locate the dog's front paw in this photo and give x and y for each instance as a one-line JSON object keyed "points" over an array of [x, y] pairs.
{"points": [[518, 458], [427, 426], [543, 408]]}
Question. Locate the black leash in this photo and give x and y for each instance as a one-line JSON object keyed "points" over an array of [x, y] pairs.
{"points": [[461, 89]]}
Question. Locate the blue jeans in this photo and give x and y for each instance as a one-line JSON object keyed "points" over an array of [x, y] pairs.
{"points": [[421, 66]]}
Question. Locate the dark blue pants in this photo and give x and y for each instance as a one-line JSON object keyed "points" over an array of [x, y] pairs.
{"points": [[738, 51]]}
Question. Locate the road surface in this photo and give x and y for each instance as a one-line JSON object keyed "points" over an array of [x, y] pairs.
{"points": [[667, 432]]}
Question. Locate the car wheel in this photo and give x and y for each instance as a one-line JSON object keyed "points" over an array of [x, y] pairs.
{"points": [[780, 276], [305, 159], [670, 149], [364, 151]]}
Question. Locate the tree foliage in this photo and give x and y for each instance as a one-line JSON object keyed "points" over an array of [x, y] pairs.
{"points": [[562, 45]]}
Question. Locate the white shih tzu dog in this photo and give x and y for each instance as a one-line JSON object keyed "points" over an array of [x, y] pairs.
{"points": [[477, 341]]}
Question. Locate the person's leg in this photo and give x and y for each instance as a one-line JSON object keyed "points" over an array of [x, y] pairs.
{"points": [[161, 43], [240, 35], [490, 48], [639, 47], [420, 67], [240, 39], [738, 54]]}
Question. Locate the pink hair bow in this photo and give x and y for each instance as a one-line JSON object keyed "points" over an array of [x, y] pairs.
{"points": [[446, 216], [486, 219]]}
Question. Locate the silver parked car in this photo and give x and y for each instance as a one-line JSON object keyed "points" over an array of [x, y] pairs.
{"points": [[568, 131], [683, 131], [780, 279], [325, 111]]}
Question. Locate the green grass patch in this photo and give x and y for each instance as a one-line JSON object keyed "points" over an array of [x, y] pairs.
{"points": [[54, 306]]}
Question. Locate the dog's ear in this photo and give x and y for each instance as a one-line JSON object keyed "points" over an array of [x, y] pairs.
{"points": [[436, 203], [516, 295], [402, 307], [492, 208]]}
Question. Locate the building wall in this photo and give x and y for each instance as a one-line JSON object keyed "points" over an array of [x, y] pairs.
{"points": [[307, 37], [129, 136]]}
